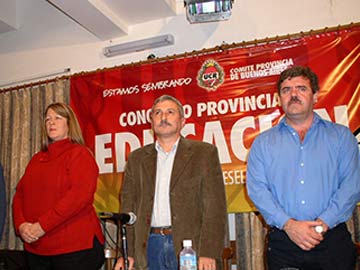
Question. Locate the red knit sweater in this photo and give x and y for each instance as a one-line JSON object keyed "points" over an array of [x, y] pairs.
{"points": [[57, 190]]}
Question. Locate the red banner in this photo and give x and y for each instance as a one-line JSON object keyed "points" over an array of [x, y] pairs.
{"points": [[229, 97]]}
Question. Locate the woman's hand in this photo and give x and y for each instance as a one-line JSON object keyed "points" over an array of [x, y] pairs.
{"points": [[31, 232]]}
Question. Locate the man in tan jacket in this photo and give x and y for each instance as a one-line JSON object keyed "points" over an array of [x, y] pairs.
{"points": [[175, 187]]}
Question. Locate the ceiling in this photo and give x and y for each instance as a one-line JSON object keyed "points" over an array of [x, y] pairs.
{"points": [[106, 19]]}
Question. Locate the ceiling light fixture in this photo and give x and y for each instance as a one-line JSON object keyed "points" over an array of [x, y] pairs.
{"points": [[139, 45]]}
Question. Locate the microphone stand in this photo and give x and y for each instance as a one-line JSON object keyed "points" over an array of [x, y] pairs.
{"points": [[124, 246]]}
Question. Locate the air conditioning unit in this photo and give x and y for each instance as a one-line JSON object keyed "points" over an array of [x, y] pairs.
{"points": [[139, 45]]}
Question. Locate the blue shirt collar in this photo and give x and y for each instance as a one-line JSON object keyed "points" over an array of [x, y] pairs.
{"points": [[173, 149], [316, 120]]}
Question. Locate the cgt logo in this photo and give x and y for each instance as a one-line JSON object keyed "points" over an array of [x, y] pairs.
{"points": [[211, 75]]}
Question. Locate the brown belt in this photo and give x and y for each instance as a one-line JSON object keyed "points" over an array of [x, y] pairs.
{"points": [[161, 230]]}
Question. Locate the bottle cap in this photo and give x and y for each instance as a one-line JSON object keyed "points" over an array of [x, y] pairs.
{"points": [[187, 243]]}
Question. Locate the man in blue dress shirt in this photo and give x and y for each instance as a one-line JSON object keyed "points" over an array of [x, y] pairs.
{"points": [[303, 175]]}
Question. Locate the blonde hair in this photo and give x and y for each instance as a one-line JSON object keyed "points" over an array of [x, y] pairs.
{"points": [[75, 134]]}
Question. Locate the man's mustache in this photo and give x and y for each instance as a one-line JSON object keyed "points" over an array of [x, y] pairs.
{"points": [[164, 123], [294, 99]]}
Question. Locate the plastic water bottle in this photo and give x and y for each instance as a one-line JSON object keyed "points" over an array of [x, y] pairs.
{"points": [[188, 257]]}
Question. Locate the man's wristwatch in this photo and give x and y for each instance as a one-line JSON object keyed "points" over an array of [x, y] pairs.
{"points": [[319, 228]]}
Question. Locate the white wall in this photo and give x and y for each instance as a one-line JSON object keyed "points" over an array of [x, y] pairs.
{"points": [[33, 49]]}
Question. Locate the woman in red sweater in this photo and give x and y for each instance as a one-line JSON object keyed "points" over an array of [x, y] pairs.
{"points": [[53, 204]]}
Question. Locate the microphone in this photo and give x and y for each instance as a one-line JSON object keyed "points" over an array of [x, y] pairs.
{"points": [[124, 218]]}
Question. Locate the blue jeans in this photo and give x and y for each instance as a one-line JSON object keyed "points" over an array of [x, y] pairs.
{"points": [[161, 253]]}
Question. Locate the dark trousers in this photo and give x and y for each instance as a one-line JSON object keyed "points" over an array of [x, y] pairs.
{"points": [[335, 252], [88, 259]]}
